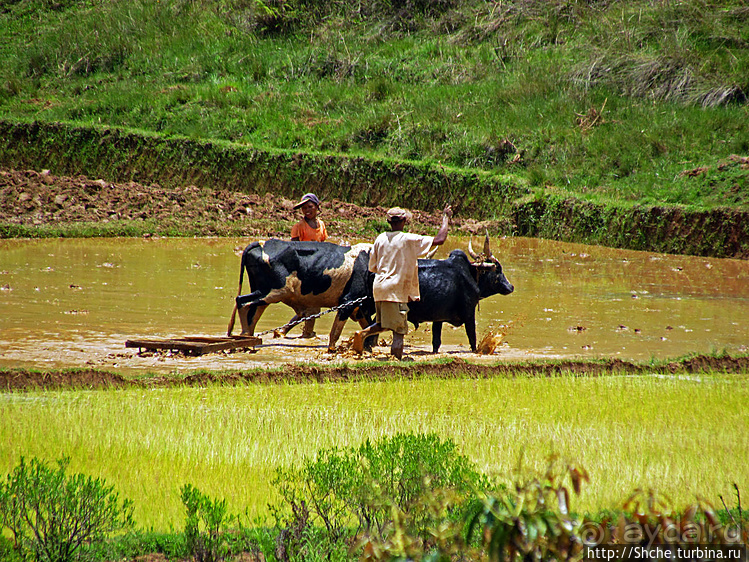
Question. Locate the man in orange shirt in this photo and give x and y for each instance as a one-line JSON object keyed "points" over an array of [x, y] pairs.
{"points": [[310, 228], [394, 261]]}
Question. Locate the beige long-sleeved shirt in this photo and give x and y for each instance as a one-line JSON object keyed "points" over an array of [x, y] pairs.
{"points": [[393, 260]]}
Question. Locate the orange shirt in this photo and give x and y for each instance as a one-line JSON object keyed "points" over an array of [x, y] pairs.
{"points": [[306, 233]]}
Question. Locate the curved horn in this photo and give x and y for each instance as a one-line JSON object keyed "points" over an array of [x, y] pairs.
{"points": [[431, 252], [487, 249], [473, 254]]}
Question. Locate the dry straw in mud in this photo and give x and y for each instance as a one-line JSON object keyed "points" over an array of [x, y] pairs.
{"points": [[495, 335]]}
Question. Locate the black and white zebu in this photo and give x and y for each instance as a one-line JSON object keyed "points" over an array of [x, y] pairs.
{"points": [[306, 276]]}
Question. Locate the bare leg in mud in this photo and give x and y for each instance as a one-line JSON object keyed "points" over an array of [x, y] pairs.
{"points": [[396, 348]]}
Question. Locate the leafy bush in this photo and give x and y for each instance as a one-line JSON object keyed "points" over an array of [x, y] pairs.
{"points": [[529, 521], [442, 539], [203, 525], [362, 489], [533, 520], [51, 515], [649, 517]]}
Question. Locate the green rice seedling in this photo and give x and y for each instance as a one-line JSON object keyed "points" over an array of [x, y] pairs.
{"points": [[681, 435]]}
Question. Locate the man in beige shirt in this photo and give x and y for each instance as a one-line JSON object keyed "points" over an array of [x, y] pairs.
{"points": [[394, 261]]}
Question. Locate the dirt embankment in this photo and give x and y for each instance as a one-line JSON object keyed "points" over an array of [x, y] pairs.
{"points": [[38, 198], [22, 379]]}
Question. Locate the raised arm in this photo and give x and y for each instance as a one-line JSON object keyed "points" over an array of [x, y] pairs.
{"points": [[447, 212]]}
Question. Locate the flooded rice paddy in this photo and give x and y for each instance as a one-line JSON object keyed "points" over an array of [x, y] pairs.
{"points": [[74, 303]]}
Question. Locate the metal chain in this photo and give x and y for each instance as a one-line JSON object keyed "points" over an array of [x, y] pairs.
{"points": [[293, 323]]}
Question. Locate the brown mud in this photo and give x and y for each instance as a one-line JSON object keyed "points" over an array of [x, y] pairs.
{"points": [[33, 198], [23, 379]]}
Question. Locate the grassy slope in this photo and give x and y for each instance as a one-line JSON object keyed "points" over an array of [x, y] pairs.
{"points": [[608, 100]]}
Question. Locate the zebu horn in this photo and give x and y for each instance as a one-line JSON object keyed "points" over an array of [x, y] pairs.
{"points": [[487, 249], [431, 252], [470, 249]]}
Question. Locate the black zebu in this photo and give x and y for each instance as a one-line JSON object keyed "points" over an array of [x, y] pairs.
{"points": [[306, 276], [451, 289]]}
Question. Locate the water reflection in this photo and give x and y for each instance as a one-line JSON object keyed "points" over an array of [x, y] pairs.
{"points": [[634, 304], [569, 300]]}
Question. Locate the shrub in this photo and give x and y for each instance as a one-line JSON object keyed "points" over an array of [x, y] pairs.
{"points": [[532, 520], [362, 489], [528, 521], [51, 515], [203, 525]]}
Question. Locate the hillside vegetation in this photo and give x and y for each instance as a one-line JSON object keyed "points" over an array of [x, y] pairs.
{"points": [[632, 102]]}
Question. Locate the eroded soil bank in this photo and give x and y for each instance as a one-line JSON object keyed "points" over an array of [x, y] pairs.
{"points": [[177, 164], [22, 379], [39, 200]]}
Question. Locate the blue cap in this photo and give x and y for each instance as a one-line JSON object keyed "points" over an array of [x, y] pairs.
{"points": [[311, 197]]}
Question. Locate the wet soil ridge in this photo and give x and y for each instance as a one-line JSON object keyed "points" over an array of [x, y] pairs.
{"points": [[720, 233], [23, 379], [39, 198], [121, 156], [232, 171]]}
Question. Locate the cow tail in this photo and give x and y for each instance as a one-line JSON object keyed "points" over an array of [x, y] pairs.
{"points": [[230, 328]]}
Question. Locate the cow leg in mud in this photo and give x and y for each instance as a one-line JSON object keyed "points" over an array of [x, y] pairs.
{"points": [[283, 331], [436, 336], [309, 325], [309, 328], [337, 329], [335, 332], [471, 330], [250, 309]]}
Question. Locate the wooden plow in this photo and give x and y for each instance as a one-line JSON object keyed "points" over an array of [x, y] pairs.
{"points": [[196, 345]]}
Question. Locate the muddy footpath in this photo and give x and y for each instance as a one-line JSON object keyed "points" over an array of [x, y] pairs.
{"points": [[22, 379]]}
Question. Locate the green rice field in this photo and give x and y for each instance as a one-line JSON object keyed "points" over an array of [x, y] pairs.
{"points": [[685, 436]]}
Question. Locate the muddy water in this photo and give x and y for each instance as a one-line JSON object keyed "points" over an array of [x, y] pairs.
{"points": [[75, 302]]}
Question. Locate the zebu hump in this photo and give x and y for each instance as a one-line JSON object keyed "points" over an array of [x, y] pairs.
{"points": [[340, 275]]}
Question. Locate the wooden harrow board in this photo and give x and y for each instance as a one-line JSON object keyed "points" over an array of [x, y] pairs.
{"points": [[197, 345]]}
